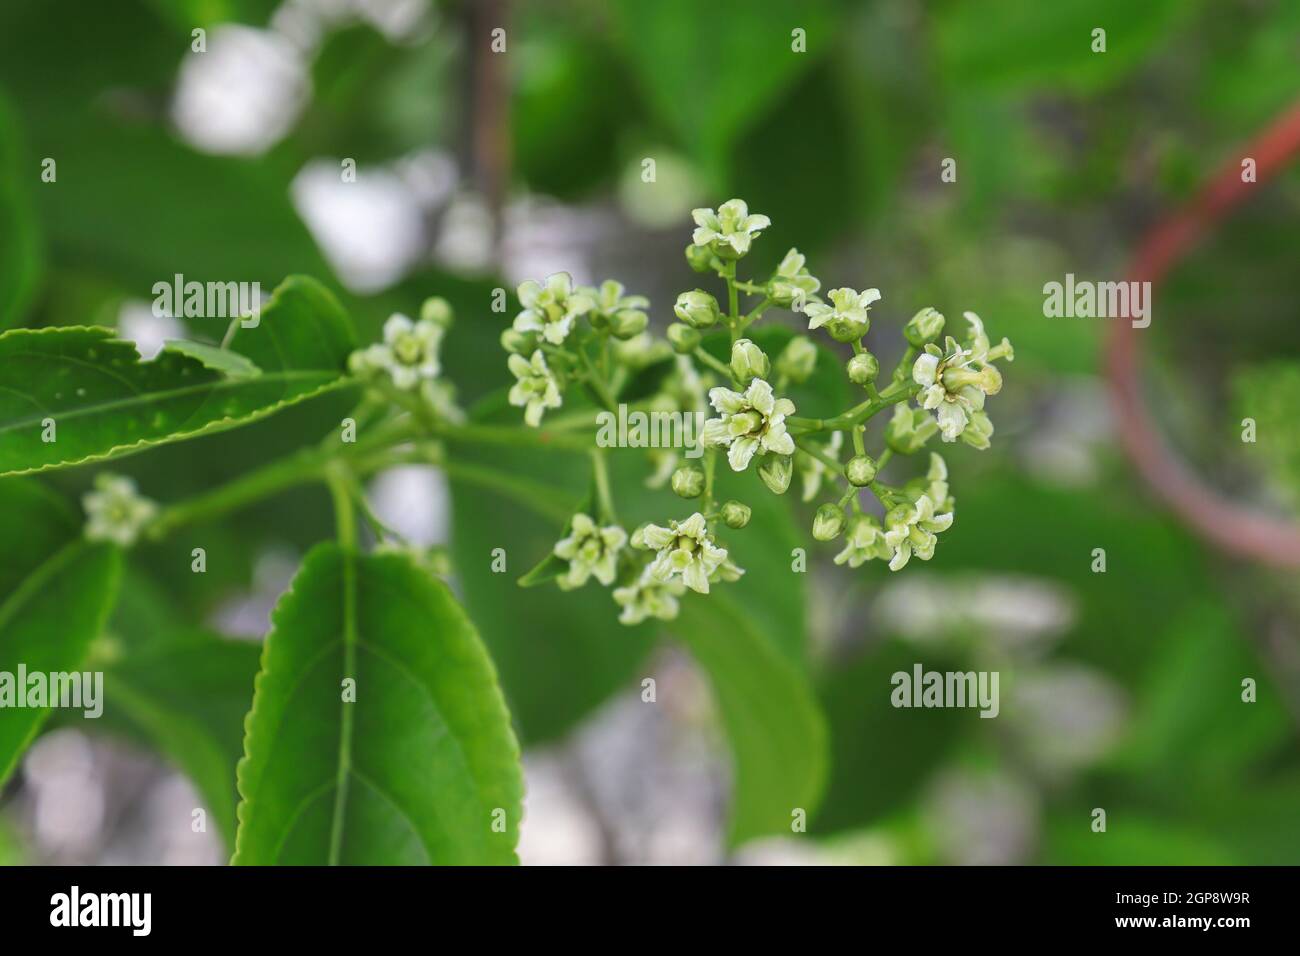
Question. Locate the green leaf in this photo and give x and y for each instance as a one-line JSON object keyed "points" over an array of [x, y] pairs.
{"points": [[20, 249], [412, 771], [182, 690], [1040, 45], [708, 83], [231, 364], [776, 731], [52, 608], [133, 203], [881, 755], [105, 402]]}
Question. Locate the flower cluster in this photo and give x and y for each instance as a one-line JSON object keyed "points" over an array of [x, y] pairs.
{"points": [[407, 361], [956, 379], [709, 363]]}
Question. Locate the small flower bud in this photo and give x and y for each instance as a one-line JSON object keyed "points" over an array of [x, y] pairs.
{"points": [[683, 338], [748, 361], [775, 471], [923, 327], [735, 514], [688, 482], [518, 343], [697, 309], [699, 258], [828, 522], [628, 323], [860, 470], [798, 359], [437, 310], [848, 330], [863, 368]]}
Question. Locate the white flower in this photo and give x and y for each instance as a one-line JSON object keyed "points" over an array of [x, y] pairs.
{"points": [[730, 231], [865, 540], [590, 550], [685, 550], [115, 511], [751, 423], [793, 284], [912, 530], [812, 469], [648, 597], [551, 308], [955, 381], [537, 388], [953, 386], [977, 343], [409, 352], [849, 310]]}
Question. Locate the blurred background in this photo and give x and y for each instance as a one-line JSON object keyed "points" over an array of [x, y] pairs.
{"points": [[475, 170]]}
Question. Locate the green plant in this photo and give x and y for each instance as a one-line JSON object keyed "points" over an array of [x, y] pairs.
{"points": [[377, 732]]}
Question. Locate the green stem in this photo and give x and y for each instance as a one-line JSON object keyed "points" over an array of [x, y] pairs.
{"points": [[604, 499], [595, 382], [712, 363], [338, 480], [856, 415], [904, 367], [231, 329], [733, 301], [302, 468], [837, 470], [754, 313]]}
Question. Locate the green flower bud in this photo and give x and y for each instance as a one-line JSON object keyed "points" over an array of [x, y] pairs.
{"points": [[798, 359], [828, 522], [775, 471], [863, 368], [688, 481], [628, 323], [518, 343], [848, 330], [697, 309], [683, 338], [736, 514], [699, 258], [437, 310], [860, 470], [748, 361], [924, 327]]}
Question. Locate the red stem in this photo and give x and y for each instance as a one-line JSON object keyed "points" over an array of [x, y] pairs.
{"points": [[1236, 529]]}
